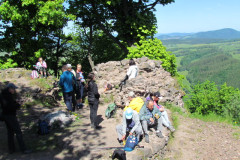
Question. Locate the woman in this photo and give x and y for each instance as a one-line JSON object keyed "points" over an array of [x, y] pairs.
{"points": [[42, 67], [132, 71], [80, 80], [93, 99]]}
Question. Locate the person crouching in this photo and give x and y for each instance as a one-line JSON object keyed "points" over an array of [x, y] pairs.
{"points": [[130, 125]]}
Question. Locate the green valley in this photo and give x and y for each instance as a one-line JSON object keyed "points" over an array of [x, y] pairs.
{"points": [[210, 59]]}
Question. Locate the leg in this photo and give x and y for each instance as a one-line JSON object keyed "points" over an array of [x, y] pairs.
{"points": [[93, 113], [73, 101], [159, 124], [68, 100], [165, 119], [138, 132], [119, 130], [13, 127], [145, 127]]}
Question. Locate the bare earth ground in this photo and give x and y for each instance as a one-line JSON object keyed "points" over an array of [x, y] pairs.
{"points": [[198, 140]]}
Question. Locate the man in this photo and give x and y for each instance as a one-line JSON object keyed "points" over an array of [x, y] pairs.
{"points": [[66, 82], [75, 85], [165, 121], [9, 108], [150, 117], [130, 124], [136, 103]]}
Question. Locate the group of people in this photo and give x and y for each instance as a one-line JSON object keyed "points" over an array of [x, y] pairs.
{"points": [[138, 116], [41, 69]]}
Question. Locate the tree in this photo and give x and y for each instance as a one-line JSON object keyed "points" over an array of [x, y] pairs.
{"points": [[120, 20], [32, 29]]}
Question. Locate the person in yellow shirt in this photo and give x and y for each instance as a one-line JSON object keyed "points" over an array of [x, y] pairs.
{"points": [[136, 103]]}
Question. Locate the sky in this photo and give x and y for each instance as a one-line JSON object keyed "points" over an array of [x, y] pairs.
{"points": [[188, 16]]}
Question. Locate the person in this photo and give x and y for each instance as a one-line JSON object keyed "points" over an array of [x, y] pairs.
{"points": [[69, 66], [136, 103], [9, 108], [130, 125], [93, 99], [80, 80], [132, 72], [75, 85], [150, 117], [165, 120], [66, 83], [42, 67]]}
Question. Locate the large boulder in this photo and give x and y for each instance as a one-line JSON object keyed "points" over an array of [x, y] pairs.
{"points": [[151, 78]]}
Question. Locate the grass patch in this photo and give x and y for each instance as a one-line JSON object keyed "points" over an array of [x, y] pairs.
{"points": [[211, 118], [236, 135]]}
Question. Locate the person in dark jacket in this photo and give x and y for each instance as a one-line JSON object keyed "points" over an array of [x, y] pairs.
{"points": [[9, 108], [93, 99]]}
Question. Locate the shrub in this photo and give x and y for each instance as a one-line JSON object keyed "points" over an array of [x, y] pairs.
{"points": [[154, 49]]}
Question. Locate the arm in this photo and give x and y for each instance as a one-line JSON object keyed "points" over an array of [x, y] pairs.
{"points": [[142, 114], [61, 81], [95, 91]]}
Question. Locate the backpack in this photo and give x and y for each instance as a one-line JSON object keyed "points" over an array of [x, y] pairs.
{"points": [[119, 154], [131, 143], [43, 127], [34, 74], [111, 109]]}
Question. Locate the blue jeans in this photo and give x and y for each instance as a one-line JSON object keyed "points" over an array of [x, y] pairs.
{"points": [[68, 96]]}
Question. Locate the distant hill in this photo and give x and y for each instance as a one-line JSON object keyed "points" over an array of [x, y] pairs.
{"points": [[226, 33]]}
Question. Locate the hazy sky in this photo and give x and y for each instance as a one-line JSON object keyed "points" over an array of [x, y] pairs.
{"points": [[198, 15]]}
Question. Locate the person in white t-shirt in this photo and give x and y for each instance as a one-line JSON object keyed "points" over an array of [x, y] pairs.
{"points": [[131, 73]]}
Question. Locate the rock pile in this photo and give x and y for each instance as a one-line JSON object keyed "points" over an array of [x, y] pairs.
{"points": [[151, 78]]}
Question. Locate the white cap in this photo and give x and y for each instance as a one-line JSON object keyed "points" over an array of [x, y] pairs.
{"points": [[69, 66]]}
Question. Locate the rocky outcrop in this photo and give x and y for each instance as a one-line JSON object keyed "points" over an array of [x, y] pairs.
{"points": [[151, 78]]}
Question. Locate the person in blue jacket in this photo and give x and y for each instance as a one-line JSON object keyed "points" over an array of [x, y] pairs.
{"points": [[66, 83]]}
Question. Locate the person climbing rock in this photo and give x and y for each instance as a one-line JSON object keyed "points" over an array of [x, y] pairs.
{"points": [[9, 108], [93, 100], [150, 117], [132, 72], [130, 125]]}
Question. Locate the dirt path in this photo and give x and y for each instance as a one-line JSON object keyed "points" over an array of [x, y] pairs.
{"points": [[195, 139]]}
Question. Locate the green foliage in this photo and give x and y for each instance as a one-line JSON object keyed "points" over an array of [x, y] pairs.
{"points": [[8, 64], [206, 98], [153, 49]]}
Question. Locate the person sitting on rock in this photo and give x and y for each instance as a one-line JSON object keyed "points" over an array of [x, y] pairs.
{"points": [[165, 120], [131, 73], [136, 103], [150, 116], [130, 125], [41, 67]]}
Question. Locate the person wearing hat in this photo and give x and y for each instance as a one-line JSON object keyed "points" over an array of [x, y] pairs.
{"points": [[150, 116], [69, 68], [165, 120], [130, 125], [66, 83], [9, 108], [136, 103]]}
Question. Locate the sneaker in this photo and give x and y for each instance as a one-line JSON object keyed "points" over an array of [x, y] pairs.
{"points": [[146, 138], [159, 134], [171, 128], [120, 142]]}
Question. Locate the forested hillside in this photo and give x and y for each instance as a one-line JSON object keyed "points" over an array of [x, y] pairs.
{"points": [[214, 60]]}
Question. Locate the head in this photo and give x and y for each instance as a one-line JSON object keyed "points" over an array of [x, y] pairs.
{"points": [[91, 76], [150, 105], [79, 67], [131, 62], [40, 59], [69, 67], [156, 96], [131, 95], [11, 88], [64, 68], [129, 114]]}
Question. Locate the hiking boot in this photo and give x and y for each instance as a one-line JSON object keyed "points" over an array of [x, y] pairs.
{"points": [[171, 128], [98, 127], [159, 134], [146, 138], [120, 142]]}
